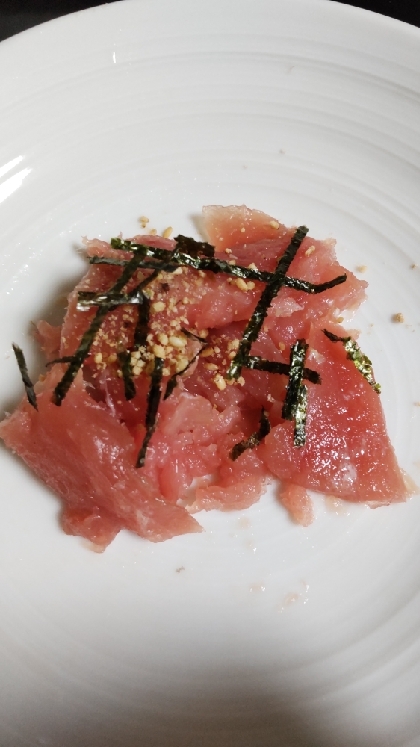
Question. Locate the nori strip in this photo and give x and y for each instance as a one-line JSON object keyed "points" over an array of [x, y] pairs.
{"points": [[193, 247], [87, 299], [299, 438], [143, 314], [27, 383], [64, 359], [153, 401], [254, 439], [360, 360], [173, 381], [213, 264], [297, 361], [269, 293], [313, 288], [124, 359], [143, 264], [89, 335], [187, 333], [142, 325], [261, 364]]}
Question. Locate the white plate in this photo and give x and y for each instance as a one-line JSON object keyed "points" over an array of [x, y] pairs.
{"points": [[258, 632]]}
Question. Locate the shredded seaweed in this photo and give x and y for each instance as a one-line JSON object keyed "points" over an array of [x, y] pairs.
{"points": [[254, 439], [299, 437], [360, 360], [297, 361], [261, 364], [192, 247], [64, 359], [27, 383], [198, 255], [153, 401], [173, 381], [193, 336], [89, 335], [124, 359], [143, 264], [270, 291], [187, 253], [313, 288]]}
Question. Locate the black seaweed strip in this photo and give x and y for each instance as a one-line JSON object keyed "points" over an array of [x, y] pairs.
{"points": [[313, 288], [297, 360], [220, 265], [88, 299], [89, 335], [142, 325], [269, 293], [299, 437], [334, 338], [153, 401], [193, 247], [360, 360], [261, 364], [173, 381], [27, 383], [64, 359], [143, 264], [254, 439], [124, 359], [216, 265], [187, 333], [135, 296], [198, 263]]}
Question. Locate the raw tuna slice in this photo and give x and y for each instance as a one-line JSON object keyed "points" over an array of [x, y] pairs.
{"points": [[347, 452], [87, 458], [193, 322]]}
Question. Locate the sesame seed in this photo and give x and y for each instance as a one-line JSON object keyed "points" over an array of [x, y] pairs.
{"points": [[181, 363], [274, 224], [158, 351], [310, 250], [241, 284], [167, 232], [177, 341], [220, 382], [158, 306]]}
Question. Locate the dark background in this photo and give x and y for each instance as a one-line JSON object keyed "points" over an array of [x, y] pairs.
{"points": [[18, 15]]}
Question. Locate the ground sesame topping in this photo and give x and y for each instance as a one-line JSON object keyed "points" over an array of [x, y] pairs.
{"points": [[397, 318], [220, 382]]}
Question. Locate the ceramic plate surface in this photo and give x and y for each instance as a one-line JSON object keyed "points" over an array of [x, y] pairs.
{"points": [[257, 632]]}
